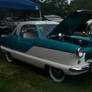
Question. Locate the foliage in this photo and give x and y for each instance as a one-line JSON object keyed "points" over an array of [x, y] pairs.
{"points": [[59, 7], [81, 4]]}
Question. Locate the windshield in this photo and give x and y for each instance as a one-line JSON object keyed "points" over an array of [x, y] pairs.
{"points": [[45, 29]]}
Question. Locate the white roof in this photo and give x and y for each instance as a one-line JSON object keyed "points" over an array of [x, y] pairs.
{"points": [[20, 24], [54, 16]]}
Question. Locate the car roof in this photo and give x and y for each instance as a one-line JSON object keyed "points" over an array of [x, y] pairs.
{"points": [[20, 24]]}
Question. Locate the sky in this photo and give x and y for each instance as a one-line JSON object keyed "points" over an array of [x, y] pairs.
{"points": [[69, 1]]}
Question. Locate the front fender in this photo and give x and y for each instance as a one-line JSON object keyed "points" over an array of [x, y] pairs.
{"points": [[57, 45]]}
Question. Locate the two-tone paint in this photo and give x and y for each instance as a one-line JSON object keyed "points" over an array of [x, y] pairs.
{"points": [[43, 52]]}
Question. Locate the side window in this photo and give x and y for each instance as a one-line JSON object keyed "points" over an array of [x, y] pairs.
{"points": [[29, 31]]}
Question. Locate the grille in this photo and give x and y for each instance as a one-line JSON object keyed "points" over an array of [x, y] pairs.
{"points": [[88, 56]]}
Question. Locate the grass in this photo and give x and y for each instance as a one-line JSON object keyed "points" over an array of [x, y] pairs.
{"points": [[21, 77]]}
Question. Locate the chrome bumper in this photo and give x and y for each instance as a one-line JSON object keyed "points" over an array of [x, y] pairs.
{"points": [[80, 69]]}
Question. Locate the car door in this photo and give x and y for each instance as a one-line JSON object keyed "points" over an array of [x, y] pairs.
{"points": [[26, 37], [24, 41], [21, 44]]}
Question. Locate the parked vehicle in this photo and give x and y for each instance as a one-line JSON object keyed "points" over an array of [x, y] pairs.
{"points": [[5, 27], [35, 43], [54, 18], [76, 24]]}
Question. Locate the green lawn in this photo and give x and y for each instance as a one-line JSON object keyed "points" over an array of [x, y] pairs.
{"points": [[21, 77]]}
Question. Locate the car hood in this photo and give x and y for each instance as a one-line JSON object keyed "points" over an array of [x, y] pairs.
{"points": [[72, 22]]}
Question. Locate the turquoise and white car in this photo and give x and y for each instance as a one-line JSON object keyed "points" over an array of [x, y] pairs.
{"points": [[30, 42]]}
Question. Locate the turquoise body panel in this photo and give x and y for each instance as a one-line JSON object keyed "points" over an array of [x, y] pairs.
{"points": [[87, 49], [24, 44], [53, 44], [17, 43], [86, 39]]}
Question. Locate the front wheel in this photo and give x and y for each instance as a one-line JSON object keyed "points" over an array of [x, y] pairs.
{"points": [[56, 74], [8, 57]]}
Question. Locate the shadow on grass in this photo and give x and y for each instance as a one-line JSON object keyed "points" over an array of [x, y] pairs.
{"points": [[30, 67], [83, 78]]}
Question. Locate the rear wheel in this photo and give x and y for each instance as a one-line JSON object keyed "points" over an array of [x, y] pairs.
{"points": [[8, 57], [56, 74]]}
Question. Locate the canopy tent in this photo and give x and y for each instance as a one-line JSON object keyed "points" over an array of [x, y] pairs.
{"points": [[20, 4]]}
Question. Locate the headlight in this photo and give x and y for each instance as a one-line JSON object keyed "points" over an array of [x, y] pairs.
{"points": [[80, 52]]}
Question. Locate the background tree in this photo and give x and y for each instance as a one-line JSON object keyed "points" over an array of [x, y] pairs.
{"points": [[81, 4], [58, 7]]}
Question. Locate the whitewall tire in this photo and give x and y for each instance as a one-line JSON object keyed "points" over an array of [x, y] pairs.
{"points": [[8, 57], [56, 74]]}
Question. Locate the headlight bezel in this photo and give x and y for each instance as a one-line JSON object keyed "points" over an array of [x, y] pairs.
{"points": [[80, 52]]}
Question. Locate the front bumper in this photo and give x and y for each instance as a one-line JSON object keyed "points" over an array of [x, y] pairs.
{"points": [[80, 69]]}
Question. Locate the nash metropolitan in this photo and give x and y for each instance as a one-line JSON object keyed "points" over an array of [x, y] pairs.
{"points": [[45, 45]]}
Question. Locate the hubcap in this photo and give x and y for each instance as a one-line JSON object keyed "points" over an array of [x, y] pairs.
{"points": [[56, 74]]}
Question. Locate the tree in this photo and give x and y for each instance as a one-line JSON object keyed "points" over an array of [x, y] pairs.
{"points": [[81, 4], [59, 7]]}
